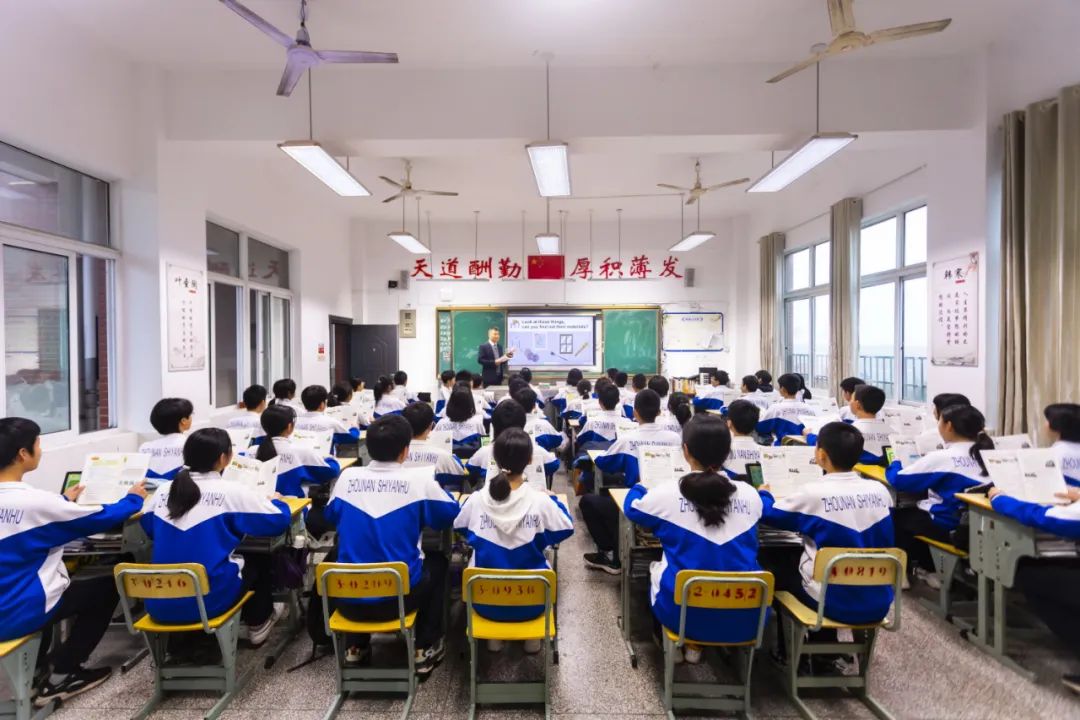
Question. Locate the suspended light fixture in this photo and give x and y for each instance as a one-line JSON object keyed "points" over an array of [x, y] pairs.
{"points": [[550, 159], [406, 239], [695, 237], [547, 242], [819, 148], [320, 163]]}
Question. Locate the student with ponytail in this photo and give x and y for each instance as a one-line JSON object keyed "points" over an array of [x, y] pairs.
{"points": [[941, 474], [298, 465], [1063, 427], [461, 420], [510, 524], [199, 517], [386, 402], [704, 521], [680, 408], [285, 393]]}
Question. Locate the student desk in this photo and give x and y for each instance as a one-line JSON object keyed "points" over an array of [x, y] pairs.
{"points": [[874, 472], [998, 543], [598, 475]]}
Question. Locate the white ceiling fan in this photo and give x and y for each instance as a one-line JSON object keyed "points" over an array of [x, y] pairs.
{"points": [[300, 55], [697, 191], [406, 189], [847, 38]]}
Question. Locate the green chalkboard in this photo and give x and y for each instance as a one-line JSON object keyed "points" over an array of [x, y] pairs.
{"points": [[631, 340], [470, 329]]}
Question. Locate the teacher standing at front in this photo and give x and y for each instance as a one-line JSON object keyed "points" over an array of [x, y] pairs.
{"points": [[492, 359]]}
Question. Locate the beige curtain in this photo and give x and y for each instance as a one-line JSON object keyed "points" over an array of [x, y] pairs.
{"points": [[772, 258], [846, 224], [1040, 320]]}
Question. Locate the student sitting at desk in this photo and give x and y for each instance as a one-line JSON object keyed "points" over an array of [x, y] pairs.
{"points": [[866, 402], [35, 590], [509, 524], [599, 511], [679, 409], [764, 379], [171, 417], [803, 393], [466, 427], [847, 391], [386, 402], [752, 393], [201, 518], [448, 469], [575, 408], [380, 511], [711, 396], [626, 394], [597, 432], [446, 386], [941, 474], [782, 418], [660, 385], [931, 439], [315, 420], [572, 379], [401, 388], [506, 416], [527, 375], [1063, 426], [639, 382], [343, 394], [704, 522], [842, 510], [254, 403], [515, 385], [297, 465], [1051, 586], [285, 394], [537, 425], [742, 418]]}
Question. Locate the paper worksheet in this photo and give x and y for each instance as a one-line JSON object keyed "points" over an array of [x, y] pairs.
{"points": [[534, 474], [260, 477], [1031, 475], [784, 469], [241, 439], [624, 425], [905, 449], [814, 423], [441, 438], [319, 442], [1012, 442], [107, 477], [347, 414], [659, 465]]}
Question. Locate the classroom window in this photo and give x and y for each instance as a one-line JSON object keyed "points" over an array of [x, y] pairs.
{"points": [[806, 313], [222, 250], [267, 265], [797, 270], [94, 283], [892, 304], [270, 334], [226, 307]]}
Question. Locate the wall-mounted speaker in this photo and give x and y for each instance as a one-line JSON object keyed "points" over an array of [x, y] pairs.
{"points": [[403, 281], [688, 277]]}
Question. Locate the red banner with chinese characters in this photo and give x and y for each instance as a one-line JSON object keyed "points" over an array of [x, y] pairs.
{"points": [[547, 267]]}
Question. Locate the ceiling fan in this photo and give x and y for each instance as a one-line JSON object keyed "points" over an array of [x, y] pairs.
{"points": [[300, 55], [406, 189], [698, 190], [847, 38]]}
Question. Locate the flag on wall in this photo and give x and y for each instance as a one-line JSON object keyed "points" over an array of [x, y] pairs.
{"points": [[546, 267]]}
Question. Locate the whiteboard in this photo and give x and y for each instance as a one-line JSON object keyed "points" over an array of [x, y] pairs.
{"points": [[693, 331], [954, 309]]}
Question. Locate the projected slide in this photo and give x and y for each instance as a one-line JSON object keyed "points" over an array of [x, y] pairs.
{"points": [[552, 341]]}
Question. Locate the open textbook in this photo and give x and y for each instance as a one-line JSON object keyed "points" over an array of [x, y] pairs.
{"points": [[349, 415], [905, 449], [240, 437], [814, 423], [1031, 475], [441, 438], [534, 473], [107, 477], [261, 477], [784, 469], [319, 442], [658, 465]]}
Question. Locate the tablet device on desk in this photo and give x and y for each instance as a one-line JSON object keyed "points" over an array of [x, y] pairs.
{"points": [[71, 479], [753, 471], [890, 456]]}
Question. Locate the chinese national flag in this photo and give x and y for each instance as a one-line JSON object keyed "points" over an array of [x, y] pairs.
{"points": [[546, 267]]}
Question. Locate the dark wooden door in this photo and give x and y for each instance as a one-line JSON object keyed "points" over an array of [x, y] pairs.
{"points": [[374, 351]]}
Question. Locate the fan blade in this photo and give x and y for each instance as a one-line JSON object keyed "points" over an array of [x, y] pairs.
{"points": [[903, 32], [443, 193], [356, 56], [693, 199], [293, 72], [392, 198], [841, 16], [395, 183], [673, 187], [813, 59], [729, 183], [276, 35]]}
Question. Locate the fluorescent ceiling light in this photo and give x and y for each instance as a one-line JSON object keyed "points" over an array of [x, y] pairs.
{"points": [[550, 160], [319, 163], [812, 153], [22, 182], [547, 243], [691, 241], [409, 242]]}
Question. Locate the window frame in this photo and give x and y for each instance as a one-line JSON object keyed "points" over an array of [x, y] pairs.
{"points": [[808, 293], [897, 275], [39, 241]]}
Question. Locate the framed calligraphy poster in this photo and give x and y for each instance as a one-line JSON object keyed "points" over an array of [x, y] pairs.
{"points": [[187, 318], [954, 312]]}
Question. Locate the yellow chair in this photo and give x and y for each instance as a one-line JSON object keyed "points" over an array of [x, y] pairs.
{"points": [[718, 591], [368, 580], [840, 566], [947, 559], [509, 588], [138, 581], [18, 657]]}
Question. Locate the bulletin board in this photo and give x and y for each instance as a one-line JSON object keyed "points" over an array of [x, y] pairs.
{"points": [[954, 307]]}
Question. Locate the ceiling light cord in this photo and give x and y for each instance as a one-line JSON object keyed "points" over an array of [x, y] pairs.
{"points": [[522, 234], [618, 214], [547, 94], [476, 234], [590, 234], [817, 99], [431, 243], [698, 215], [310, 123], [548, 203], [682, 216], [417, 217]]}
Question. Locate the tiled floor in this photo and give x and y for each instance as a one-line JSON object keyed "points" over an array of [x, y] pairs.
{"points": [[925, 671]]}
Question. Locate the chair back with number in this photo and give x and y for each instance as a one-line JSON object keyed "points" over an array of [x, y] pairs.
{"points": [[860, 566], [488, 586], [144, 581], [724, 591], [362, 580]]}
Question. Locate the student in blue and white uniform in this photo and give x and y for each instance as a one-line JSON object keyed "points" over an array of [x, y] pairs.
{"points": [[285, 394], [711, 397], [355, 397], [401, 388], [752, 393], [466, 427], [507, 415], [626, 394], [527, 375], [575, 408], [679, 412], [941, 474], [660, 385], [847, 391], [449, 471], [932, 438], [446, 386], [315, 420], [598, 432], [865, 404], [171, 417], [842, 510], [380, 511], [573, 377], [599, 511], [509, 524], [1051, 586], [704, 522], [782, 418], [201, 518], [386, 402], [764, 378], [297, 465], [254, 404], [537, 425], [742, 418], [1063, 426], [35, 590]]}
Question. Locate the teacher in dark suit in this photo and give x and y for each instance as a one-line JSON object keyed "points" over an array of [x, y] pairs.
{"points": [[492, 359]]}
